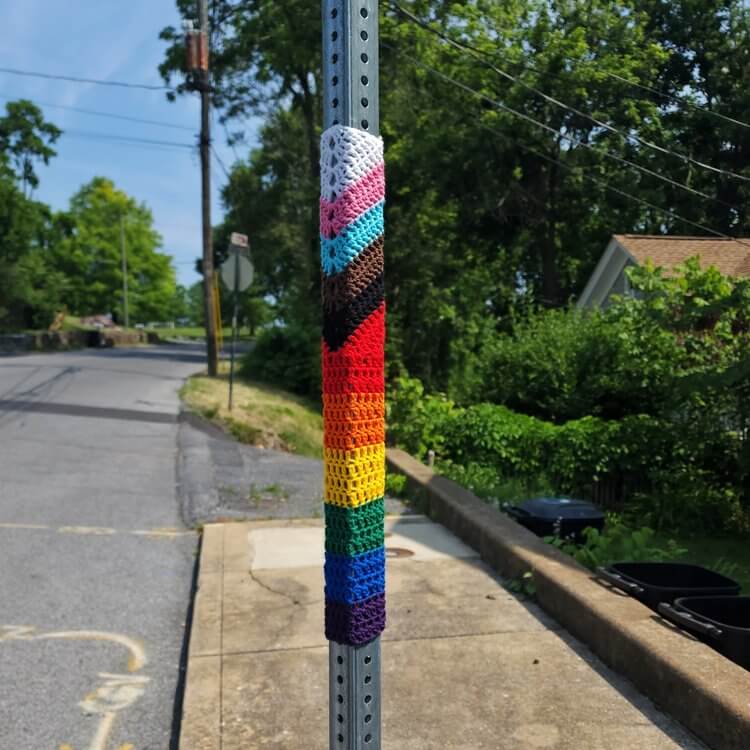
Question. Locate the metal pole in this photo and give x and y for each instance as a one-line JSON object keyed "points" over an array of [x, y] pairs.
{"points": [[353, 378], [205, 149], [234, 325], [124, 256]]}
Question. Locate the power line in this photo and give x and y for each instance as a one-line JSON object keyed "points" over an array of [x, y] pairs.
{"points": [[126, 138], [112, 115], [75, 79], [557, 134], [609, 186], [603, 183], [220, 162], [677, 99], [481, 57]]}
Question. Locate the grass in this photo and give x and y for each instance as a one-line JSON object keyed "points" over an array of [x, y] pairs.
{"points": [[263, 416], [198, 333], [73, 323]]}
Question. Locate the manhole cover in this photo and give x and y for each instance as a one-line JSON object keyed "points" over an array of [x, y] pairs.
{"points": [[398, 552]]}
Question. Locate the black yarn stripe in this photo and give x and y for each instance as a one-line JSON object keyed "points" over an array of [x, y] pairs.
{"points": [[338, 326]]}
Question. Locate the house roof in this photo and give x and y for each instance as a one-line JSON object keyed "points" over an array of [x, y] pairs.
{"points": [[730, 256]]}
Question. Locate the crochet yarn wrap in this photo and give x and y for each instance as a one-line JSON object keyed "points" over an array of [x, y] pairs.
{"points": [[351, 252]]}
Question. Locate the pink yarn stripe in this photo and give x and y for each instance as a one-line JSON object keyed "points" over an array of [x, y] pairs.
{"points": [[352, 203]]}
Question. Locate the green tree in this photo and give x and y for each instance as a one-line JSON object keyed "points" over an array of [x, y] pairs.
{"points": [[487, 213], [26, 138], [31, 290], [91, 256]]}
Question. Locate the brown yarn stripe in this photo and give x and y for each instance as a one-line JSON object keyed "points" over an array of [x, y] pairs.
{"points": [[341, 289]]}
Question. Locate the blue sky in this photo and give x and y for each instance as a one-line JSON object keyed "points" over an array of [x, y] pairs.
{"points": [[112, 41]]}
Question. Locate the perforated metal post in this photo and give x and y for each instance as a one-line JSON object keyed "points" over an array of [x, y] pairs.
{"points": [[351, 99], [351, 64]]}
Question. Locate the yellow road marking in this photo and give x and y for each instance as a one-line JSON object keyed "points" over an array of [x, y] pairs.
{"points": [[22, 526], [116, 693], [95, 530], [137, 659], [165, 533], [102, 733]]}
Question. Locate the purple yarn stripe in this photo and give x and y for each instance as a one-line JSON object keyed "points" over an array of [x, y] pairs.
{"points": [[355, 624]]}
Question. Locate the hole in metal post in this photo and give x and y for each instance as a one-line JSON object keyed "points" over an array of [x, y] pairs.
{"points": [[368, 659], [363, 12], [368, 718], [364, 36], [368, 699], [340, 698], [340, 680], [339, 659], [365, 125], [335, 80], [335, 103], [334, 36], [368, 737], [368, 679], [365, 101], [340, 738], [334, 12], [334, 58], [365, 80], [365, 59]]}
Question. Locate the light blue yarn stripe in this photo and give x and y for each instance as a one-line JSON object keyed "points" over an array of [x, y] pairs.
{"points": [[338, 253]]}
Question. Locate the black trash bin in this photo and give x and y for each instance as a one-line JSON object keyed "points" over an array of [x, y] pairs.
{"points": [[656, 582], [723, 622], [557, 516]]}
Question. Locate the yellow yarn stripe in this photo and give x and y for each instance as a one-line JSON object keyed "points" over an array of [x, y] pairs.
{"points": [[355, 490], [355, 456]]}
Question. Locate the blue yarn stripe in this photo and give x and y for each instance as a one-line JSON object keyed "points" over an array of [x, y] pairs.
{"points": [[353, 579], [337, 253]]}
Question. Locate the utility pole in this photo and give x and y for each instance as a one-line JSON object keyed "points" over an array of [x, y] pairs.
{"points": [[205, 149], [124, 256], [353, 192]]}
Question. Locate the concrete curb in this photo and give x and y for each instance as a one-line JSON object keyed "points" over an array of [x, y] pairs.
{"points": [[201, 711], [705, 692]]}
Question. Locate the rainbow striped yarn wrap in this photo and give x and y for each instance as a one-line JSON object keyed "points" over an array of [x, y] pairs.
{"points": [[351, 229]]}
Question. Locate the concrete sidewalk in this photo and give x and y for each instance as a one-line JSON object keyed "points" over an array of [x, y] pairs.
{"points": [[466, 665]]}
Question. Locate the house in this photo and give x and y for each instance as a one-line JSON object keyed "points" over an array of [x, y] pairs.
{"points": [[730, 256]]}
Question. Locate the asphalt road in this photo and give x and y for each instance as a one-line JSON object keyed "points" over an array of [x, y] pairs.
{"points": [[96, 563]]}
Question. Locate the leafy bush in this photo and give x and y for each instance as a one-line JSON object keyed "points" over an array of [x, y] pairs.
{"points": [[395, 484], [617, 542], [287, 357], [489, 484], [418, 422], [492, 435], [561, 365]]}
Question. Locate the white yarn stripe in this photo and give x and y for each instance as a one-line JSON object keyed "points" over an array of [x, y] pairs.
{"points": [[346, 155]]}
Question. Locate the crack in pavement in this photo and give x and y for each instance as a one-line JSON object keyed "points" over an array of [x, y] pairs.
{"points": [[290, 597]]}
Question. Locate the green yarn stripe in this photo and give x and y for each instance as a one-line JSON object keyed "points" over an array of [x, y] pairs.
{"points": [[352, 531]]}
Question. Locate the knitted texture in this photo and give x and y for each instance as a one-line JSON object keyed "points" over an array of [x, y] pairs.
{"points": [[347, 155], [341, 289], [355, 624], [354, 579], [351, 252], [336, 253], [352, 531], [355, 200]]}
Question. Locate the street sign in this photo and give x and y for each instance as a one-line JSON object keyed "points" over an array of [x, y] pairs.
{"points": [[239, 240], [237, 267]]}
